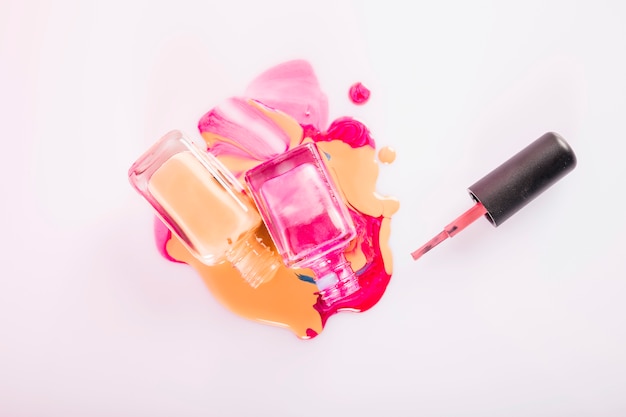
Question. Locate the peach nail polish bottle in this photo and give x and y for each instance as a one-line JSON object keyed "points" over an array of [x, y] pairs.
{"points": [[204, 205]]}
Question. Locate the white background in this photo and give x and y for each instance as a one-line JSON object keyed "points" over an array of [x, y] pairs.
{"points": [[525, 320]]}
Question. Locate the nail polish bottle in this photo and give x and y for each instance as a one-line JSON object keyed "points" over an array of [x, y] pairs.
{"points": [[306, 218], [204, 205]]}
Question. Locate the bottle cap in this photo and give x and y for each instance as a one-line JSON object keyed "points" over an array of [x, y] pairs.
{"points": [[518, 181]]}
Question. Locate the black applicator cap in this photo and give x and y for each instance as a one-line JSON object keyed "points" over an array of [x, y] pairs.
{"points": [[519, 180]]}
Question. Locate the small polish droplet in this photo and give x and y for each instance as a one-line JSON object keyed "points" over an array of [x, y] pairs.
{"points": [[359, 94], [386, 155]]}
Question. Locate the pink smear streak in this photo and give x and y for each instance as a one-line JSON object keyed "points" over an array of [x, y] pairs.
{"points": [[292, 88], [161, 236], [252, 133]]}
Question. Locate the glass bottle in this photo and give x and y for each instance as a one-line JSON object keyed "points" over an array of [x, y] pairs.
{"points": [[204, 205], [306, 218]]}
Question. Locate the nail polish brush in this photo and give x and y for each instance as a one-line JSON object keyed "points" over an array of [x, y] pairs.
{"points": [[512, 185]]}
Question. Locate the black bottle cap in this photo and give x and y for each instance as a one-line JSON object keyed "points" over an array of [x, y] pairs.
{"points": [[519, 180]]}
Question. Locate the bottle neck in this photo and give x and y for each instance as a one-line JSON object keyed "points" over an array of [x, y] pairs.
{"points": [[335, 278], [255, 261]]}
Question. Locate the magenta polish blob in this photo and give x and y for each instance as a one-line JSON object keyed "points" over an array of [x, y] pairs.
{"points": [[508, 188]]}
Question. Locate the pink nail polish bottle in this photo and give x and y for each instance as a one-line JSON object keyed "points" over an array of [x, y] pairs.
{"points": [[204, 205], [307, 218]]}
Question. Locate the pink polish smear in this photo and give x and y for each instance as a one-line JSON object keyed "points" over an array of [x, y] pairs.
{"points": [[282, 108]]}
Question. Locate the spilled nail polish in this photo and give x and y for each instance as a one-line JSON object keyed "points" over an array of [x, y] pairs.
{"points": [[283, 109]]}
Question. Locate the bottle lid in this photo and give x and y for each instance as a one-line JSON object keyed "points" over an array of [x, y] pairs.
{"points": [[522, 178]]}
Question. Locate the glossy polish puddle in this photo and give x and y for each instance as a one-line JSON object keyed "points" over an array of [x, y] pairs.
{"points": [[282, 109]]}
